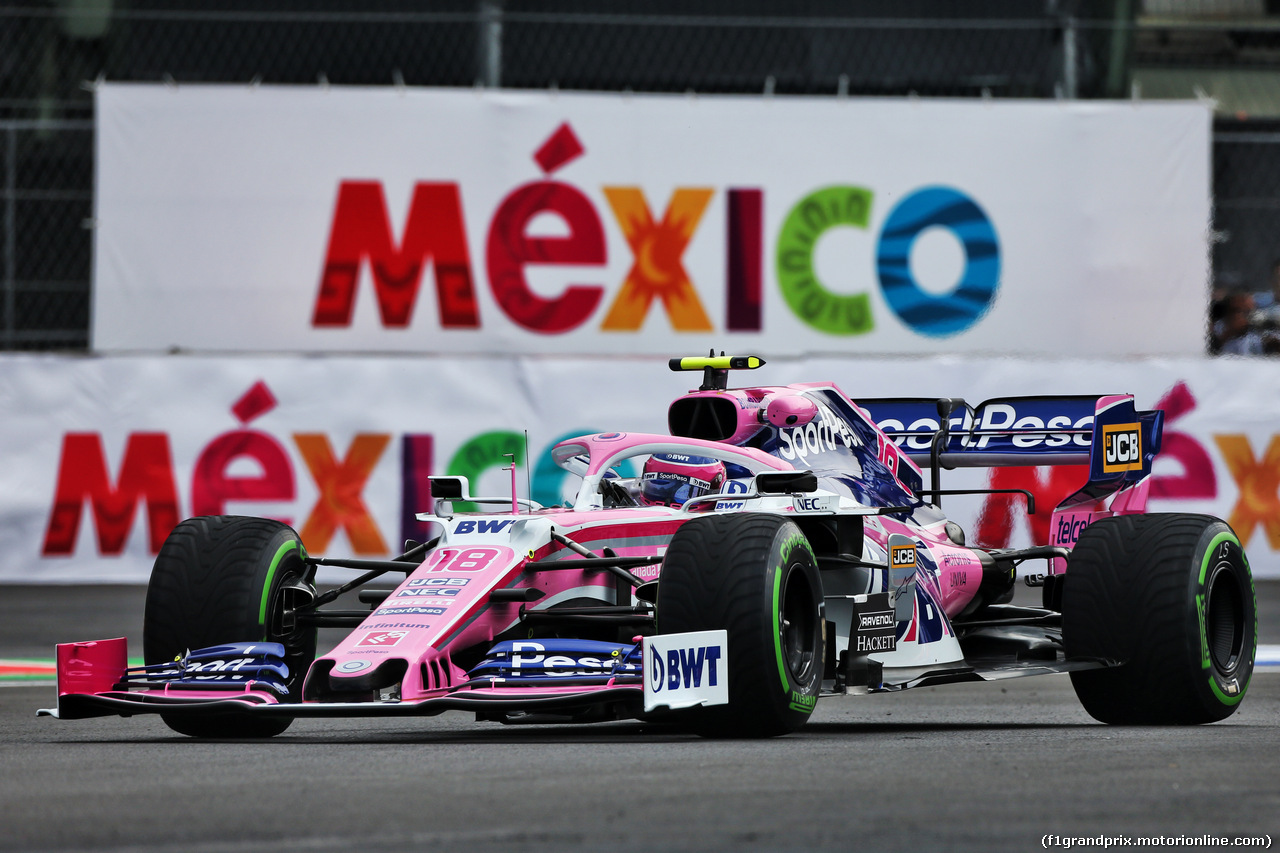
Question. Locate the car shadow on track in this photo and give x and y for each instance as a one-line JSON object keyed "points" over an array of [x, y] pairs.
{"points": [[615, 734]]}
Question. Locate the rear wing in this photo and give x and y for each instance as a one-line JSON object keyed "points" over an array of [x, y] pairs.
{"points": [[1108, 434]]}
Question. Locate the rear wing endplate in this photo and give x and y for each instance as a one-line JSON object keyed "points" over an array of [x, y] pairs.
{"points": [[1107, 433]]}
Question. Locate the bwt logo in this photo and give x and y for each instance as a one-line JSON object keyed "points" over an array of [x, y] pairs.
{"points": [[1122, 448], [683, 667], [435, 236], [483, 525]]}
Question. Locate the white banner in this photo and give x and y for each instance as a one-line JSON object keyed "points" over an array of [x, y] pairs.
{"points": [[290, 219], [100, 457]]}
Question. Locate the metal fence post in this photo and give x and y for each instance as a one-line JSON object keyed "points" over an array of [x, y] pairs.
{"points": [[1069, 84], [491, 43], [10, 232]]}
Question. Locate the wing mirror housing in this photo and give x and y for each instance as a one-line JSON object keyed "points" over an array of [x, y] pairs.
{"points": [[786, 482], [790, 410]]}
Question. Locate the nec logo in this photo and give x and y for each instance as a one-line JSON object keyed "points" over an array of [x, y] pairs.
{"points": [[429, 592], [1121, 448]]}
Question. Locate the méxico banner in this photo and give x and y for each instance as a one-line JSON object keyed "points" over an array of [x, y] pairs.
{"points": [[306, 219], [100, 457]]}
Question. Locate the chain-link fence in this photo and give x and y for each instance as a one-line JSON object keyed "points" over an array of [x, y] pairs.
{"points": [[52, 50]]}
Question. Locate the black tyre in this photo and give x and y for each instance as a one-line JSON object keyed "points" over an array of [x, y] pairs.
{"points": [[227, 579], [1170, 596], [756, 577]]}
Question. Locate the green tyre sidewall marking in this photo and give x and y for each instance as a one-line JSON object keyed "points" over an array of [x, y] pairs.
{"points": [[780, 570], [805, 295], [271, 576], [1205, 660]]}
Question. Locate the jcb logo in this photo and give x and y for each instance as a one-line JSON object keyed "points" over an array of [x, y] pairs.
{"points": [[1121, 448], [902, 557]]}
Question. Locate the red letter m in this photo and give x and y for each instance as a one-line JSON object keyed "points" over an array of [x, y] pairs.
{"points": [[433, 232], [145, 474]]}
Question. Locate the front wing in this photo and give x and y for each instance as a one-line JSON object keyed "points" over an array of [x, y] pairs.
{"points": [[678, 671]]}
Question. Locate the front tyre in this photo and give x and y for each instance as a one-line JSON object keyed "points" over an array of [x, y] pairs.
{"points": [[1171, 596], [229, 579], [755, 576]]}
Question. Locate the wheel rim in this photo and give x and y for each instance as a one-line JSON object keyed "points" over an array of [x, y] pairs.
{"points": [[283, 626], [1224, 618], [799, 624]]}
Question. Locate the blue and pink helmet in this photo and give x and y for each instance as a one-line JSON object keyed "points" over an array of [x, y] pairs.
{"points": [[670, 479]]}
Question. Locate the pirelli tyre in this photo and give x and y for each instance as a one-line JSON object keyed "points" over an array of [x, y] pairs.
{"points": [[756, 577], [229, 579], [1171, 598]]}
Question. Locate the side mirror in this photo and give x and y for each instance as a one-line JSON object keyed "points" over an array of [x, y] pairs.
{"points": [[790, 410], [786, 482], [448, 488]]}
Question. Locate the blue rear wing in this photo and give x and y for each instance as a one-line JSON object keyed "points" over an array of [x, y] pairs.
{"points": [[1108, 434]]}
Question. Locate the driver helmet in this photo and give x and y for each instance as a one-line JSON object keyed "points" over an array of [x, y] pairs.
{"points": [[670, 479]]}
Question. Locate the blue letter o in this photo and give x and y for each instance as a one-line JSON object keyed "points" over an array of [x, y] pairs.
{"points": [[939, 316]]}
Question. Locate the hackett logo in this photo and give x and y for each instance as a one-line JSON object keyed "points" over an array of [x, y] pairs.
{"points": [[435, 235]]}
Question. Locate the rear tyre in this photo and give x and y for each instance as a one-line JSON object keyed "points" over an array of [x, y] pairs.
{"points": [[756, 577], [228, 579], [1171, 597]]}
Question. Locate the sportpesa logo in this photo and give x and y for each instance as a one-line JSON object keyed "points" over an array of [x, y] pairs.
{"points": [[825, 433]]}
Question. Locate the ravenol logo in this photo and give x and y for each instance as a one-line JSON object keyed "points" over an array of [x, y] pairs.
{"points": [[1121, 448]]}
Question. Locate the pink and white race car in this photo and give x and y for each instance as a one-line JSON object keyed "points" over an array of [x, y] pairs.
{"points": [[780, 547]]}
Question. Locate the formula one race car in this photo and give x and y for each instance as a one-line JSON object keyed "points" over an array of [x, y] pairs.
{"points": [[779, 547]]}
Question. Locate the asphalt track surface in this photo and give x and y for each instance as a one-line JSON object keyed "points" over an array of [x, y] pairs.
{"points": [[963, 767]]}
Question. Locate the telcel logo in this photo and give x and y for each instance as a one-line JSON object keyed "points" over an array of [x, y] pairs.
{"points": [[1069, 527], [1122, 448]]}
